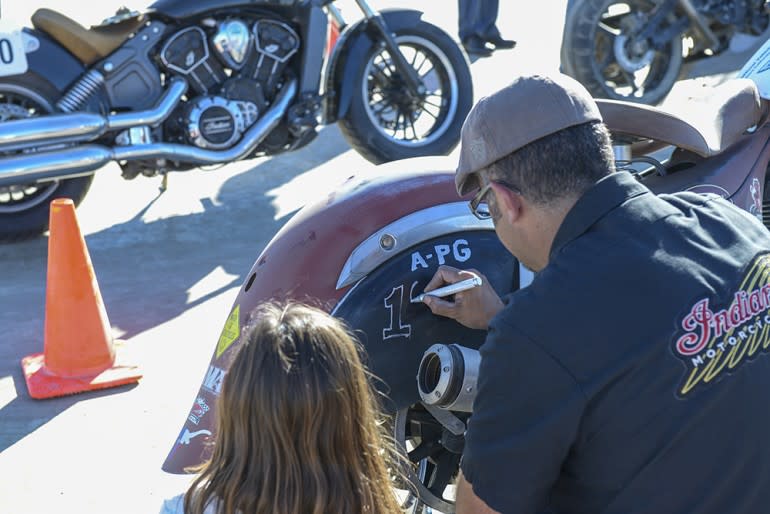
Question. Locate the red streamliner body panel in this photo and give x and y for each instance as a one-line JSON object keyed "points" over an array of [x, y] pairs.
{"points": [[304, 260]]}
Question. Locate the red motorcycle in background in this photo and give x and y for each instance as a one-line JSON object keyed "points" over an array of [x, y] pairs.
{"points": [[367, 249]]}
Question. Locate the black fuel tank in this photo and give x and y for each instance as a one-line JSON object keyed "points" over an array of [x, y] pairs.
{"points": [[180, 9]]}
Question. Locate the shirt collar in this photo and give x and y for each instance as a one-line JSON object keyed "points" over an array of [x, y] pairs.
{"points": [[604, 196]]}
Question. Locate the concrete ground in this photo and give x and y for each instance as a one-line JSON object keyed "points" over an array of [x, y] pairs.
{"points": [[169, 267]]}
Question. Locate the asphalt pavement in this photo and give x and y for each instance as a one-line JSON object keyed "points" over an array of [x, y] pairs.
{"points": [[169, 266]]}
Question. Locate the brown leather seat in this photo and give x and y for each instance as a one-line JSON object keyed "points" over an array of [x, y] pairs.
{"points": [[88, 45], [705, 128]]}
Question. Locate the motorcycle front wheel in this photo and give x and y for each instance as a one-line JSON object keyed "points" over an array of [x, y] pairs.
{"points": [[601, 50], [24, 207], [384, 123]]}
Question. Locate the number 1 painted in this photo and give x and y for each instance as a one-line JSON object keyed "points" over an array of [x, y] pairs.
{"points": [[395, 302]]}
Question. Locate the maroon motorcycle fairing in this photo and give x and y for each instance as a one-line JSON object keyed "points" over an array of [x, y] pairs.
{"points": [[305, 258], [304, 261], [738, 174]]}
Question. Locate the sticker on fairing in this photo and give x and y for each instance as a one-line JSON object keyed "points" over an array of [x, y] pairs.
{"points": [[758, 70], [230, 331]]}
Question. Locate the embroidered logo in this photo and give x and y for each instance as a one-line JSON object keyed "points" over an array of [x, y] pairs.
{"points": [[713, 343]]}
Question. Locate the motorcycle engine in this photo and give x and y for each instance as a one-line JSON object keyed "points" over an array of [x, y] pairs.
{"points": [[749, 16], [234, 68], [215, 122]]}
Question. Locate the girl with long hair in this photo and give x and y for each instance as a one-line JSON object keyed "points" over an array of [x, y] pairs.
{"points": [[297, 425]]}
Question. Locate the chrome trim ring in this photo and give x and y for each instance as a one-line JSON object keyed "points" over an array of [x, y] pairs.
{"points": [[408, 231]]}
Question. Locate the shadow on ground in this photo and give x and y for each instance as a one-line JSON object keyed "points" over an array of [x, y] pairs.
{"points": [[142, 285]]}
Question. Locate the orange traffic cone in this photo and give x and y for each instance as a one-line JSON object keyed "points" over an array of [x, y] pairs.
{"points": [[79, 354]]}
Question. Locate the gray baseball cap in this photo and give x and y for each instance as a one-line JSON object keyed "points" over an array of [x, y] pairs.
{"points": [[531, 107]]}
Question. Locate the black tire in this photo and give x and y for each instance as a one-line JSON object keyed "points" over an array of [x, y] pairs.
{"points": [[452, 72], [590, 53], [24, 209]]}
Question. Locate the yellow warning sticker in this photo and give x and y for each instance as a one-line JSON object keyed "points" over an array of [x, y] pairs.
{"points": [[230, 332]]}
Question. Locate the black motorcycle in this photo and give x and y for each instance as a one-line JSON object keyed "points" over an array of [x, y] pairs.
{"points": [[189, 83], [636, 50]]}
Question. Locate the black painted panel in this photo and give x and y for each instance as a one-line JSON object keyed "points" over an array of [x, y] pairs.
{"points": [[396, 332]]}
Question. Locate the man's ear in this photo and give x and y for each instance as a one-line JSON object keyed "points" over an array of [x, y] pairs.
{"points": [[509, 203]]}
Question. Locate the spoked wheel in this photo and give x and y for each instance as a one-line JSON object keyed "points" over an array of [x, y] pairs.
{"points": [[16, 103], [385, 122], [24, 207], [609, 52], [435, 456]]}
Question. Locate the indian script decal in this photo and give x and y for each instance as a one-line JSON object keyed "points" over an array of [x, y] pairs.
{"points": [[716, 342]]}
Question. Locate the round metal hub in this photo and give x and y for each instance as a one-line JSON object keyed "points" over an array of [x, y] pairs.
{"points": [[402, 118], [632, 56]]}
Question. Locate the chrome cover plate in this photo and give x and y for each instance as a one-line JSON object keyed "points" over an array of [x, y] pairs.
{"points": [[406, 232], [233, 42]]}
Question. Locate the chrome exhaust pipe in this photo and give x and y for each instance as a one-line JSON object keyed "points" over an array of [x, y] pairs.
{"points": [[39, 167], [84, 126], [83, 159]]}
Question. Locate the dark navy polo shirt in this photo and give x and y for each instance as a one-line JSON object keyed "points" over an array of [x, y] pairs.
{"points": [[631, 376]]}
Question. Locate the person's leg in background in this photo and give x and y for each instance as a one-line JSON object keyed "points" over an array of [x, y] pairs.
{"points": [[477, 27], [470, 21], [488, 31]]}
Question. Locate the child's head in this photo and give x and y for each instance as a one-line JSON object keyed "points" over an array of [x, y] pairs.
{"points": [[297, 428]]}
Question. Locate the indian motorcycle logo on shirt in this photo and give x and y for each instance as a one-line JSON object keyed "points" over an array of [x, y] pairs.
{"points": [[717, 341]]}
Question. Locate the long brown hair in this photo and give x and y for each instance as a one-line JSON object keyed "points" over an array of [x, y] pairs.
{"points": [[297, 424]]}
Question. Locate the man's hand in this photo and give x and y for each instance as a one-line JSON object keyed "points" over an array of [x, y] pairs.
{"points": [[468, 502], [473, 308]]}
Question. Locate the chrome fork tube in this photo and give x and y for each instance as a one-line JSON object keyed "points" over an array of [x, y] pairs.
{"points": [[699, 24], [336, 15], [413, 82], [369, 13]]}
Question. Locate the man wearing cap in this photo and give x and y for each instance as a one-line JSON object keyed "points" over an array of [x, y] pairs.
{"points": [[631, 375]]}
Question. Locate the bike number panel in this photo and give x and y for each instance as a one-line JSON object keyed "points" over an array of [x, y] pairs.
{"points": [[13, 59], [758, 70]]}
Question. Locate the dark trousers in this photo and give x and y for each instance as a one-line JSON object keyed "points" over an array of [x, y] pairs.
{"points": [[477, 18]]}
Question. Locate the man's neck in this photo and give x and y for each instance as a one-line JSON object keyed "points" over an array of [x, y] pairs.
{"points": [[547, 221]]}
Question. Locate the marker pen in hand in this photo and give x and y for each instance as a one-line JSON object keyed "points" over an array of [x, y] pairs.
{"points": [[451, 289]]}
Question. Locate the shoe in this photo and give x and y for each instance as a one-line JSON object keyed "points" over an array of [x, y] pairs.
{"points": [[500, 43], [476, 46]]}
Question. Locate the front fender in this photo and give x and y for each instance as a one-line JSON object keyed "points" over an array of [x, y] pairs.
{"points": [[361, 253], [353, 46], [52, 62]]}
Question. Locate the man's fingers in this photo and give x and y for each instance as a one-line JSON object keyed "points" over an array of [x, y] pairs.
{"points": [[444, 275], [441, 307]]}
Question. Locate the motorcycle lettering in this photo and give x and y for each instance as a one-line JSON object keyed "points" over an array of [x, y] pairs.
{"points": [[13, 60], [460, 251], [755, 70], [394, 303], [6, 51], [213, 380]]}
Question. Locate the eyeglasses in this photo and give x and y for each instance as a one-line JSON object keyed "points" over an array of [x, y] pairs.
{"points": [[481, 210]]}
